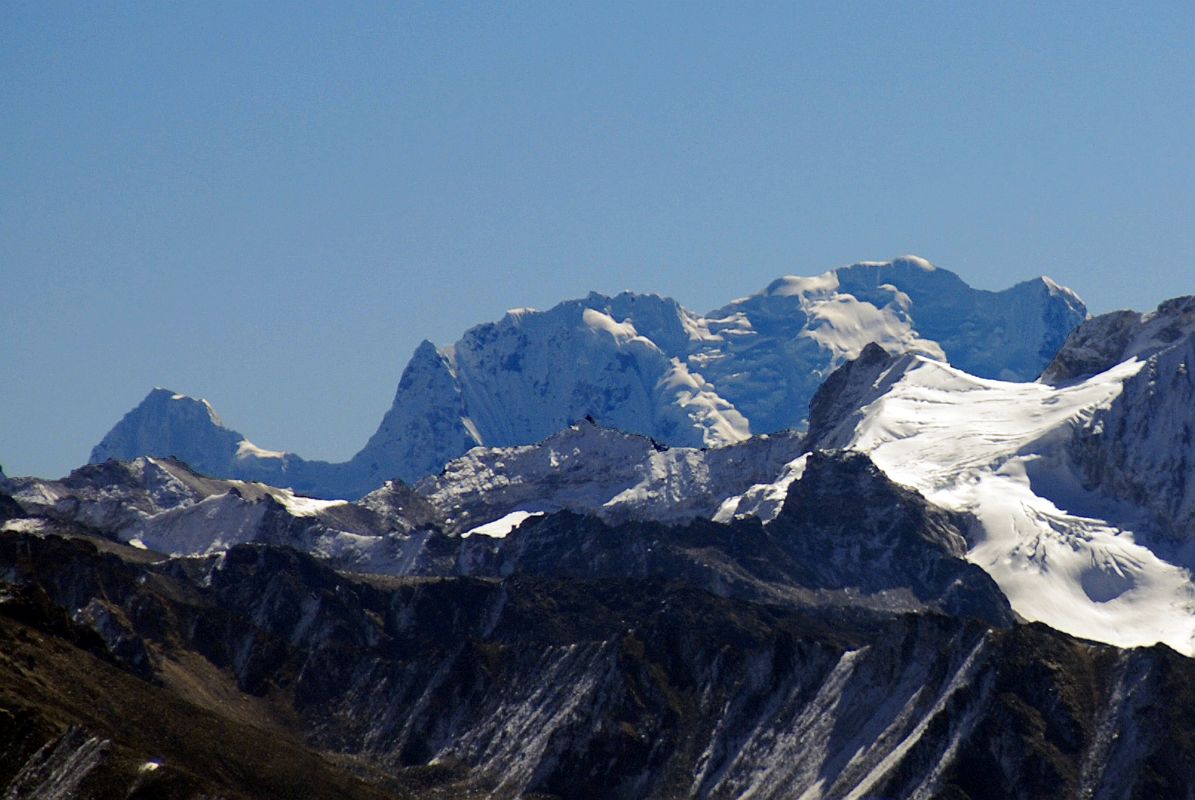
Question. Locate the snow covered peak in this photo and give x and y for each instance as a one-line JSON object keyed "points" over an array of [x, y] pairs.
{"points": [[796, 286], [840, 402], [171, 425], [775, 347], [166, 423], [644, 364], [182, 404], [916, 261]]}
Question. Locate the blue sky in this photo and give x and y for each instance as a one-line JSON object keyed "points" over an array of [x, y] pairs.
{"points": [[270, 205]]}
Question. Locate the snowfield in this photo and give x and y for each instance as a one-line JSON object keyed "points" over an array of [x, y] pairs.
{"points": [[998, 451]]}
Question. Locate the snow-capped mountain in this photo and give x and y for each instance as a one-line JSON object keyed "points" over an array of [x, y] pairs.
{"points": [[849, 612], [171, 425], [163, 505], [642, 364], [1077, 487], [584, 468], [1080, 490]]}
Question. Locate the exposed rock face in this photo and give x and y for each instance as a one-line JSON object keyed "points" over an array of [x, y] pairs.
{"points": [[642, 364], [1080, 494], [614, 687], [1141, 448], [1096, 345], [848, 525], [1109, 339], [839, 403], [846, 536]]}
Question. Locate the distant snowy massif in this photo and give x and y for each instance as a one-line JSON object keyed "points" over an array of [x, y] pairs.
{"points": [[642, 364]]}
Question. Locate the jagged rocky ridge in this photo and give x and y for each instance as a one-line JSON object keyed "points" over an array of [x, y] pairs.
{"points": [[614, 686], [639, 363], [1141, 447], [164, 505], [1075, 497], [847, 535], [602, 615]]}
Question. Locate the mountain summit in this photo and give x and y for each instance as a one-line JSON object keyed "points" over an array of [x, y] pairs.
{"points": [[643, 364]]}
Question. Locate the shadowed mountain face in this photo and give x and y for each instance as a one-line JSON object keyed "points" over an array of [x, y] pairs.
{"points": [[639, 363], [846, 537], [1140, 449], [534, 685]]}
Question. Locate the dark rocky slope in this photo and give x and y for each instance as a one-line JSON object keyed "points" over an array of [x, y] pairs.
{"points": [[611, 687]]}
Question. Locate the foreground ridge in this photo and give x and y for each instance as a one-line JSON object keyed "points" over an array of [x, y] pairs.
{"points": [[534, 685]]}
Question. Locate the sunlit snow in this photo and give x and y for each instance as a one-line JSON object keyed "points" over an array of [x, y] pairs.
{"points": [[997, 451], [971, 445], [499, 528]]}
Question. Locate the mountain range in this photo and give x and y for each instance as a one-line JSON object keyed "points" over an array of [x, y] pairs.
{"points": [[960, 569], [639, 363]]}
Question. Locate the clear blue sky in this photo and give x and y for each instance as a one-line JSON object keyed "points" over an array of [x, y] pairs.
{"points": [[269, 205]]}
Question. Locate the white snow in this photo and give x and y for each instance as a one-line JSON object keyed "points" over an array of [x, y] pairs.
{"points": [[749, 367], [695, 401], [247, 449], [471, 427], [594, 470], [793, 285], [499, 528], [604, 323], [763, 500], [844, 326], [23, 526], [304, 506]]}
